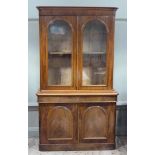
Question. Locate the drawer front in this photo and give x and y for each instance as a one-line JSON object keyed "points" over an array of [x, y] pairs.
{"points": [[58, 123], [96, 123], [76, 99]]}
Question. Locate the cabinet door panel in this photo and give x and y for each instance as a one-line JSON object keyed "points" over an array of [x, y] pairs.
{"points": [[58, 123], [94, 123]]}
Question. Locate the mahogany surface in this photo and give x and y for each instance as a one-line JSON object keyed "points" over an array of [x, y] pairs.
{"points": [[76, 117]]}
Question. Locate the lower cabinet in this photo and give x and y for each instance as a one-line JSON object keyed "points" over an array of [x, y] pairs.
{"points": [[67, 126]]}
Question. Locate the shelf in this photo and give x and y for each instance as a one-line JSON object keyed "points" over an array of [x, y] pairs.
{"points": [[59, 53], [63, 53], [100, 73], [93, 53]]}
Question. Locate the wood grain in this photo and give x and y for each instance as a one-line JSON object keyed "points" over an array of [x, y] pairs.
{"points": [[76, 11], [58, 123], [94, 122]]}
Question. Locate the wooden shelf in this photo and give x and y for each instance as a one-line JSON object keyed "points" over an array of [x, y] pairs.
{"points": [[100, 73], [93, 53], [59, 53], [62, 53]]}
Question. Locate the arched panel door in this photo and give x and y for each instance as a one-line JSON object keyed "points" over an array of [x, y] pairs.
{"points": [[93, 53], [58, 123], [59, 54], [96, 122]]}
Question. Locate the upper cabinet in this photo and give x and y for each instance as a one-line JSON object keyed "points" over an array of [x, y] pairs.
{"points": [[76, 48]]}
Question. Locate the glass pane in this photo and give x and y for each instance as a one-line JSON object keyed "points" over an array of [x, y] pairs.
{"points": [[94, 53], [59, 54]]}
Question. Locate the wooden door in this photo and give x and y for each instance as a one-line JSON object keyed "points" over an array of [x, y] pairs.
{"points": [[95, 52], [58, 52], [96, 123], [58, 123]]}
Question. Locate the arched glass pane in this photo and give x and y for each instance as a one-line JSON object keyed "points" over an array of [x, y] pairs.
{"points": [[59, 53], [94, 53]]}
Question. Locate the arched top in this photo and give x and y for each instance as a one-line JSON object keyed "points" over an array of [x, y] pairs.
{"points": [[59, 26], [63, 108], [99, 24], [89, 109]]}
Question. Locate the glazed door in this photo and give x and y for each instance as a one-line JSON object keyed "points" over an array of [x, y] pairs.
{"points": [[94, 52], [58, 52]]}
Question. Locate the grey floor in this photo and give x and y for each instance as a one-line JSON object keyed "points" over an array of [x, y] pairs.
{"points": [[121, 149]]}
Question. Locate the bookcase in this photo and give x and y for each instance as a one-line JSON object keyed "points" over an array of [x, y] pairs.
{"points": [[77, 103]]}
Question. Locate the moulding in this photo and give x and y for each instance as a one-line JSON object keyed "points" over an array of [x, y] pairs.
{"points": [[37, 19], [33, 106]]}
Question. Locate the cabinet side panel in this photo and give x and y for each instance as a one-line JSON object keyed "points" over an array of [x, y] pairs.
{"points": [[112, 123], [43, 124], [43, 77]]}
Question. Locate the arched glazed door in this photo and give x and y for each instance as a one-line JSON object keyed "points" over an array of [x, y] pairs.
{"points": [[93, 53], [60, 53]]}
